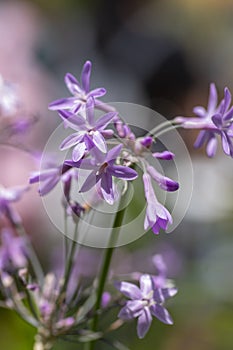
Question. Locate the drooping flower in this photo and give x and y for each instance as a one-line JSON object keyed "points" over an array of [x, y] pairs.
{"points": [[7, 197], [90, 133], [81, 93], [164, 182], [145, 302], [157, 216], [215, 120], [103, 169]]}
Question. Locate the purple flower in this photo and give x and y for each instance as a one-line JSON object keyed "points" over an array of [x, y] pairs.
{"points": [[103, 169], [8, 196], [9, 101], [160, 280], [12, 251], [90, 133], [157, 216], [48, 178], [145, 302], [215, 120], [81, 93]]}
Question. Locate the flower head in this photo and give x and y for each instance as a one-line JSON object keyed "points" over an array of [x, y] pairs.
{"points": [[145, 302]]}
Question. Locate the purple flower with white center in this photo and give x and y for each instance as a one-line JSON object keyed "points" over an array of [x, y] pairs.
{"points": [[216, 119], [48, 178], [12, 251], [146, 301], [164, 182], [81, 93], [90, 133], [8, 196], [103, 169], [157, 216]]}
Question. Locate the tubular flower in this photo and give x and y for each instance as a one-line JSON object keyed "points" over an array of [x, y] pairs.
{"points": [[157, 216]]}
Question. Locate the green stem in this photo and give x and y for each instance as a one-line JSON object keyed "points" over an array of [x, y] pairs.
{"points": [[70, 259], [160, 126], [170, 128], [104, 271], [32, 255]]}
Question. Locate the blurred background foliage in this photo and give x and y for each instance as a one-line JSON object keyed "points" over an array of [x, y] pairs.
{"points": [[161, 54]]}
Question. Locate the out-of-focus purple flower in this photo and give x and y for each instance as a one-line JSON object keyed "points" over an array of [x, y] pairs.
{"points": [[103, 169], [8, 196], [215, 120], [146, 301], [90, 133], [160, 280], [106, 297], [81, 93], [9, 101], [48, 178], [12, 251], [157, 216]]}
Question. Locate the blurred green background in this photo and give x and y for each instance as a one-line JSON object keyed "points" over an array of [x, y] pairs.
{"points": [[161, 54]]}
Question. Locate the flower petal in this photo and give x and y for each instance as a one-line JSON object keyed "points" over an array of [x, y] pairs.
{"points": [[113, 153], [213, 98], [122, 172], [161, 314], [89, 182], [99, 141], [63, 103], [72, 84], [71, 141], [146, 285], [130, 290], [78, 151], [85, 76], [97, 92], [103, 121], [144, 322]]}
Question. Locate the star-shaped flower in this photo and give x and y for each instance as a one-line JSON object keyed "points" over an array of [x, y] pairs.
{"points": [[145, 302], [81, 92], [103, 170]]}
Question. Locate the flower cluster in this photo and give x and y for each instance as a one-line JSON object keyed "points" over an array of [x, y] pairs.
{"points": [[105, 148], [91, 151]]}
